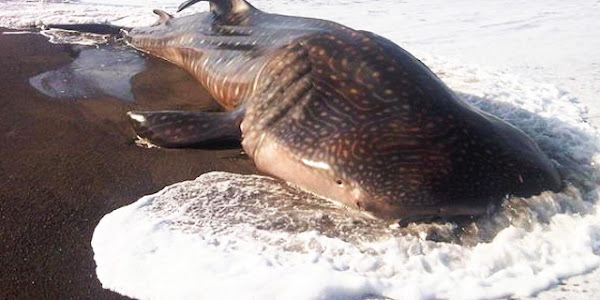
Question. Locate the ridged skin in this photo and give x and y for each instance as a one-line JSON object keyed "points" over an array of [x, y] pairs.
{"points": [[353, 110]]}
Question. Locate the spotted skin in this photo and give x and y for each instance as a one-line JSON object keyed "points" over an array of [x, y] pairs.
{"points": [[350, 115]]}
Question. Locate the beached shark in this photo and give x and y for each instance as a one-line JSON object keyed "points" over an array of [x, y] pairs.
{"points": [[343, 113]]}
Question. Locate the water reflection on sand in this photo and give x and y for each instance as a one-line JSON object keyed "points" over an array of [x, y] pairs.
{"points": [[95, 71]]}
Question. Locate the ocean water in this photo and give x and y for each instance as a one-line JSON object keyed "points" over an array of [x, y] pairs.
{"points": [[230, 236]]}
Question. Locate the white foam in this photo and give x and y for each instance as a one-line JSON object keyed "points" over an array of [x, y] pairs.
{"points": [[16, 32]]}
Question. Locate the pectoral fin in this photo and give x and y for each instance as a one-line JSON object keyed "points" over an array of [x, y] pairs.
{"points": [[180, 129]]}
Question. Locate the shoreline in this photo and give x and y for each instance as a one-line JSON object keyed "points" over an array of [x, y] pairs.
{"points": [[66, 163]]}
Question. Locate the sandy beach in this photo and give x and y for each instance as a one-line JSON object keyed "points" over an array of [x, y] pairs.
{"points": [[66, 163]]}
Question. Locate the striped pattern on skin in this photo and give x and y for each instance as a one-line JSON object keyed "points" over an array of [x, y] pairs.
{"points": [[401, 141]]}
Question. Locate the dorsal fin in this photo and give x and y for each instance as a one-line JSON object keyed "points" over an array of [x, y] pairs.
{"points": [[164, 16], [221, 7]]}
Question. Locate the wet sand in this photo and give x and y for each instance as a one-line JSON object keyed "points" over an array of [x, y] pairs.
{"points": [[64, 164]]}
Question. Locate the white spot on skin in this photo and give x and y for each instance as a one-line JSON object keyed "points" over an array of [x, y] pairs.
{"points": [[137, 117], [316, 164]]}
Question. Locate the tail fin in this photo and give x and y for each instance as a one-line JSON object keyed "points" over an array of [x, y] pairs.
{"points": [[221, 7], [108, 29], [89, 28]]}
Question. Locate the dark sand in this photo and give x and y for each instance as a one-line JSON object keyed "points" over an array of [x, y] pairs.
{"points": [[66, 163]]}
